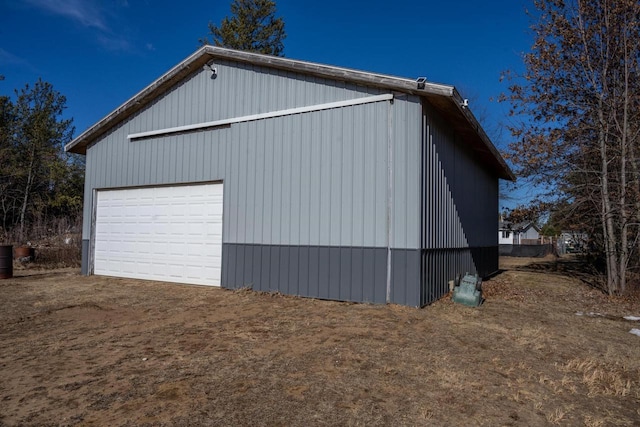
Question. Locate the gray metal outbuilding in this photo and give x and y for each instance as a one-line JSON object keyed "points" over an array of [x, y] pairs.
{"points": [[239, 169]]}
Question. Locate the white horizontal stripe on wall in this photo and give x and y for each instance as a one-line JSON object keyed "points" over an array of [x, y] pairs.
{"points": [[253, 117]]}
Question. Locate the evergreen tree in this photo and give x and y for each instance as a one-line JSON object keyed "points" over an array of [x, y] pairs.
{"points": [[252, 27], [38, 181]]}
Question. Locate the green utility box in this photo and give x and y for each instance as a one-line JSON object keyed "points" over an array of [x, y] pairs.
{"points": [[468, 291]]}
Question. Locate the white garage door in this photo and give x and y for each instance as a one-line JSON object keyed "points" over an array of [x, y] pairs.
{"points": [[172, 234]]}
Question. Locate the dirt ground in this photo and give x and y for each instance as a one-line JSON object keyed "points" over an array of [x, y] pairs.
{"points": [[543, 349]]}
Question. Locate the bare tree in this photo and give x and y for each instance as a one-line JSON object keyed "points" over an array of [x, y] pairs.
{"points": [[578, 133]]}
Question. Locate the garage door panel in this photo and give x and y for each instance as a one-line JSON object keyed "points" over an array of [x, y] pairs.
{"points": [[160, 233]]}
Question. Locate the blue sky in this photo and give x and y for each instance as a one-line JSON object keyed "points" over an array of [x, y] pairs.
{"points": [[100, 53]]}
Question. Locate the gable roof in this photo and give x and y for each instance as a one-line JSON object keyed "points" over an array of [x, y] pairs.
{"points": [[445, 99], [519, 227]]}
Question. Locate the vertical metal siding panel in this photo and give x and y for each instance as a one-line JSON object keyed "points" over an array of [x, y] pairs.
{"points": [[167, 159], [414, 123], [194, 154], [324, 270], [120, 159], [257, 191], [194, 99], [303, 271], [170, 173], [314, 271], [223, 161], [203, 154], [238, 265], [399, 165], [153, 161], [399, 276], [282, 279], [336, 179], [228, 268], [277, 184], [380, 275], [357, 273], [216, 96], [406, 170], [269, 183], [256, 267], [334, 273], [239, 174], [293, 271], [89, 185], [286, 201], [363, 124], [265, 269], [368, 275], [247, 263], [347, 164], [295, 181], [306, 171], [428, 171], [413, 278], [357, 188], [248, 193], [315, 180], [232, 193], [105, 162], [380, 138], [184, 109], [325, 182]]}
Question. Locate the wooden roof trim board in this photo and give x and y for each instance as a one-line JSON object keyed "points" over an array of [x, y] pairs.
{"points": [[452, 108]]}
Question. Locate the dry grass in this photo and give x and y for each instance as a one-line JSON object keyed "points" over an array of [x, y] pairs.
{"points": [[102, 351], [605, 378]]}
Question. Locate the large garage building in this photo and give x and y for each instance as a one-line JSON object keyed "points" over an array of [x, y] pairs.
{"points": [[237, 169]]}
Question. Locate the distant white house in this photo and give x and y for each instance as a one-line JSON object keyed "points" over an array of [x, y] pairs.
{"points": [[517, 234], [505, 234]]}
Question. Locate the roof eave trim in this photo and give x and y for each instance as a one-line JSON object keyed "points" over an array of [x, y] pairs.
{"points": [[136, 101], [473, 122]]}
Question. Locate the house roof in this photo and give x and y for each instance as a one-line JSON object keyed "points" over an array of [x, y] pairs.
{"points": [[519, 227], [445, 99]]}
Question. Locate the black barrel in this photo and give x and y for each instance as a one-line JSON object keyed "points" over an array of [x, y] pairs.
{"points": [[6, 262]]}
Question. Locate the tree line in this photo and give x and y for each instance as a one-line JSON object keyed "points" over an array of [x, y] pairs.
{"points": [[39, 182]]}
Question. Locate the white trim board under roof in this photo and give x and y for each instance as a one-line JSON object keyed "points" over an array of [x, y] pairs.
{"points": [[444, 98]]}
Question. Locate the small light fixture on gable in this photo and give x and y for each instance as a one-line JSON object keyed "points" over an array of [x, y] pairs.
{"points": [[211, 68], [421, 82], [465, 103]]}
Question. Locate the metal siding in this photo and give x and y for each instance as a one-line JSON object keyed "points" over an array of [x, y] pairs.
{"points": [[303, 271], [405, 274], [292, 271], [459, 211], [324, 270], [407, 117], [346, 266], [348, 274], [84, 267], [380, 174], [334, 273], [314, 271], [357, 278]]}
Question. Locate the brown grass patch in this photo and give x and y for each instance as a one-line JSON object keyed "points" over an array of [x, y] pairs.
{"points": [[104, 351]]}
